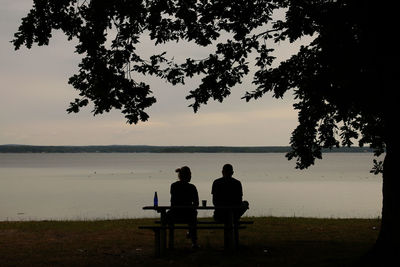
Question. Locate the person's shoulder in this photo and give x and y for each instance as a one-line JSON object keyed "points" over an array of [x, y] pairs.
{"points": [[236, 181], [218, 180], [191, 185], [175, 184]]}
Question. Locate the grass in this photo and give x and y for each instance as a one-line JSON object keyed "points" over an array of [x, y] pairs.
{"points": [[271, 241]]}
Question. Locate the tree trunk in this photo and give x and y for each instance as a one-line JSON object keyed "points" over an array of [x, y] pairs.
{"points": [[386, 250], [386, 57], [389, 234]]}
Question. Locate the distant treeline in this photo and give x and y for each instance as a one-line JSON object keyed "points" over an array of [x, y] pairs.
{"points": [[160, 149]]}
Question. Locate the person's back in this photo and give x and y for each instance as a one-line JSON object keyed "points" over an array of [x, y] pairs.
{"points": [[227, 191], [184, 194]]}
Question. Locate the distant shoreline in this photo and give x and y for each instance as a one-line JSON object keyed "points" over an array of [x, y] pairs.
{"points": [[165, 149]]}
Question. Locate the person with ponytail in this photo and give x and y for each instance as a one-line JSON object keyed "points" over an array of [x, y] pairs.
{"points": [[183, 193]]}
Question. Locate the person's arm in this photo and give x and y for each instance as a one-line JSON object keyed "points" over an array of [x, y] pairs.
{"points": [[241, 192], [214, 195], [196, 197], [238, 197], [173, 195]]}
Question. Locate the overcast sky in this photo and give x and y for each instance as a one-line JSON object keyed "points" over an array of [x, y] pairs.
{"points": [[35, 95]]}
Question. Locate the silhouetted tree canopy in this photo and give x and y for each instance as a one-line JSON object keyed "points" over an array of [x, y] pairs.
{"points": [[330, 77], [343, 81]]}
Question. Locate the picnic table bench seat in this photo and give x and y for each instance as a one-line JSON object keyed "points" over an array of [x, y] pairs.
{"points": [[201, 225], [161, 227]]}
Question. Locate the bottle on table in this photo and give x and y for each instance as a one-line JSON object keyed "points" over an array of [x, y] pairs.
{"points": [[155, 199]]}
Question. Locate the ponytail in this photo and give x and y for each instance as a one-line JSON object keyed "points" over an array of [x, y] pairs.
{"points": [[184, 174]]}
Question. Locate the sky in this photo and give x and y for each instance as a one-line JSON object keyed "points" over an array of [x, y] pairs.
{"points": [[34, 96]]}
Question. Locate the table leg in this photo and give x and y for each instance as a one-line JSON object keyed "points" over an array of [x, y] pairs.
{"points": [[229, 232], [171, 238], [236, 235], [157, 244], [163, 233]]}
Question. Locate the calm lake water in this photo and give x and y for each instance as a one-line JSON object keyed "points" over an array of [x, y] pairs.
{"points": [[112, 185]]}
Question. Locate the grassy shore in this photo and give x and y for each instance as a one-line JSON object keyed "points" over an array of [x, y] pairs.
{"points": [[270, 241]]}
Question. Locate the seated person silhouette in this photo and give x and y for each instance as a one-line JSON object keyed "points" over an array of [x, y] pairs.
{"points": [[184, 193], [227, 191]]}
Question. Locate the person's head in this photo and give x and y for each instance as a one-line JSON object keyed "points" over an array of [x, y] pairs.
{"points": [[184, 174], [227, 171]]}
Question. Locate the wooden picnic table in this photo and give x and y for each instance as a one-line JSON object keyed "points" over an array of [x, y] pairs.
{"points": [[230, 227]]}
